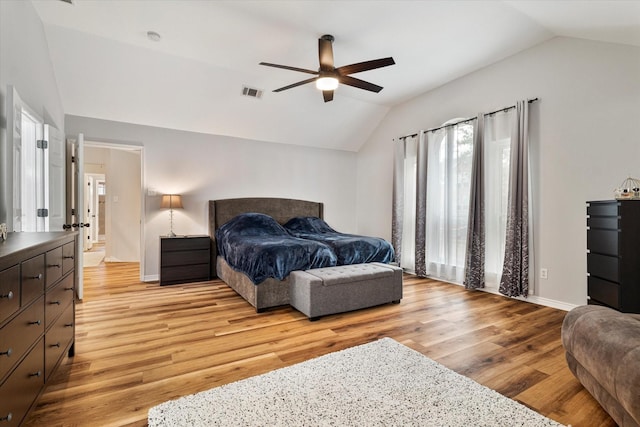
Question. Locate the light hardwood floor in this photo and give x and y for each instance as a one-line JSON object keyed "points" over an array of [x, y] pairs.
{"points": [[139, 344]]}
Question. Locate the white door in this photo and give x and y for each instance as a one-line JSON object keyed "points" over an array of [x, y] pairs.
{"points": [[75, 202], [57, 177]]}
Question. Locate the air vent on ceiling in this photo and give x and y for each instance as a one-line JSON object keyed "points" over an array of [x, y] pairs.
{"points": [[251, 92]]}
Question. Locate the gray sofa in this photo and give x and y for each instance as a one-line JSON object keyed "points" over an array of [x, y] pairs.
{"points": [[603, 351]]}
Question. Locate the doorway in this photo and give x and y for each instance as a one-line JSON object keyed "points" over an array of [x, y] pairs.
{"points": [[113, 204]]}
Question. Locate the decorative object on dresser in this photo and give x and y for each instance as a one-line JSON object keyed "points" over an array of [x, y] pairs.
{"points": [[613, 254], [629, 190], [37, 316], [171, 202], [184, 259]]}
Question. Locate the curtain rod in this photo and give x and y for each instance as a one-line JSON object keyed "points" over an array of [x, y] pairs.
{"points": [[505, 109]]}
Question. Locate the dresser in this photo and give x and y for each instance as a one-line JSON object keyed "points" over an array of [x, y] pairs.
{"points": [[613, 254], [37, 316], [184, 259]]}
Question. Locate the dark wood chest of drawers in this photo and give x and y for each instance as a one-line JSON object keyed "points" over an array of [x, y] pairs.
{"points": [[184, 259], [37, 316], [613, 254]]}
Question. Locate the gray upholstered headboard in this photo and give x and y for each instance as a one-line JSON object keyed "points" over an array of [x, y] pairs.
{"points": [[282, 210]]}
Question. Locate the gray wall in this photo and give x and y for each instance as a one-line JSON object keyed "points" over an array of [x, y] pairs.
{"points": [[25, 64], [585, 144], [204, 167]]}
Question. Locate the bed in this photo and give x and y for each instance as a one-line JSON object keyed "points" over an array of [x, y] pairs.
{"points": [[270, 292], [270, 286], [349, 248]]}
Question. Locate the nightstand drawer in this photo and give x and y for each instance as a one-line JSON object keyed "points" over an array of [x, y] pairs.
{"points": [[185, 243], [184, 274], [602, 209], [170, 259]]}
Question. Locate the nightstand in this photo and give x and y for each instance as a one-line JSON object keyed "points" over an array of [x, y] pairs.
{"points": [[184, 259]]}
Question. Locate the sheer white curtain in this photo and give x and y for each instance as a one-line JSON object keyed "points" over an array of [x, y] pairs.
{"points": [[497, 145], [449, 162], [404, 202]]}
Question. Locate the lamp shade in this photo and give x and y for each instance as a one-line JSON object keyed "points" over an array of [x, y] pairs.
{"points": [[171, 201]]}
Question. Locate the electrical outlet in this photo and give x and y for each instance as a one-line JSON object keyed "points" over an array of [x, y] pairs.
{"points": [[544, 273]]}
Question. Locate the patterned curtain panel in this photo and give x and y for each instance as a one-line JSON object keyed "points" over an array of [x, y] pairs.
{"points": [[515, 272], [421, 206], [474, 261]]}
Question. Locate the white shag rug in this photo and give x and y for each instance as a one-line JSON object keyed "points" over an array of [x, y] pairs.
{"points": [[383, 383]]}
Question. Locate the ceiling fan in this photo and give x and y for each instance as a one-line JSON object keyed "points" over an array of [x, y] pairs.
{"points": [[328, 76]]}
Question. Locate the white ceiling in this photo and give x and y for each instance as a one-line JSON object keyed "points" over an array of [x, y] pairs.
{"points": [[192, 78]]}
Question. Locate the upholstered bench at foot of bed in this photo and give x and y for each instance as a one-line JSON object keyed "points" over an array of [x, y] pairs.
{"points": [[322, 291]]}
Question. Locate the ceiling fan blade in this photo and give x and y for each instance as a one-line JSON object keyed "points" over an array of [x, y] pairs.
{"points": [[365, 66], [296, 84], [325, 52], [286, 67], [327, 95], [360, 84]]}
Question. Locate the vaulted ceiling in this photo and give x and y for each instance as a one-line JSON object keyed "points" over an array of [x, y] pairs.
{"points": [[193, 77]]}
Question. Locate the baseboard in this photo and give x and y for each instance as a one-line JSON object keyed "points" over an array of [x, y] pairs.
{"points": [[151, 278], [534, 299]]}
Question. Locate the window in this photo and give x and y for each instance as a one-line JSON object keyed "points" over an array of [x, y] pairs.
{"points": [[449, 160]]}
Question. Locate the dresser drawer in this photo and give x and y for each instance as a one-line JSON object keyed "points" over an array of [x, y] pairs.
{"points": [[57, 340], [606, 222], [68, 257], [58, 298], [17, 335], [602, 209], [603, 266], [9, 292], [603, 241], [19, 391], [53, 260], [603, 291], [32, 279]]}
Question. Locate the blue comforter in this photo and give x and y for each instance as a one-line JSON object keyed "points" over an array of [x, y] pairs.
{"points": [[259, 247], [349, 248]]}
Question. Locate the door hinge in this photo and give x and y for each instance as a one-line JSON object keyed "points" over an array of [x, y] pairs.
{"points": [[73, 211], [43, 213], [42, 143], [73, 159]]}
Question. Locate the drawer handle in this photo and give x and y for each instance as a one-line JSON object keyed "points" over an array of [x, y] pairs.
{"points": [[37, 322], [55, 303], [36, 374], [7, 417], [56, 345], [67, 257], [54, 265], [38, 277], [69, 289], [7, 353], [7, 296], [68, 325]]}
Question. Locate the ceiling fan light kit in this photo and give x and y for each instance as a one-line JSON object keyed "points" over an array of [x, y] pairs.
{"points": [[327, 83], [329, 77]]}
